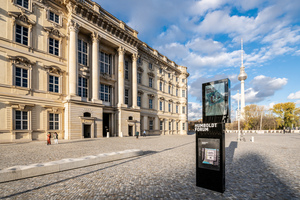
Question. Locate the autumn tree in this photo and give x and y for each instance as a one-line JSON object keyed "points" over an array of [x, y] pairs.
{"points": [[286, 114], [252, 116]]}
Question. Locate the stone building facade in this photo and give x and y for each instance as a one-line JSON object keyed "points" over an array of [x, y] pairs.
{"points": [[69, 66]]}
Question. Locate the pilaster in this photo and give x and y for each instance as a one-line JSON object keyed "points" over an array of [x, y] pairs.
{"points": [[121, 81], [73, 71], [134, 80], [95, 67]]}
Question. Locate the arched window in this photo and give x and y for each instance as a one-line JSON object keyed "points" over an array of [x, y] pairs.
{"points": [[130, 118], [87, 114]]}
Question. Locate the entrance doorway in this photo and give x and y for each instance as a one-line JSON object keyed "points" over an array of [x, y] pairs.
{"points": [[87, 131], [130, 129], [105, 124]]}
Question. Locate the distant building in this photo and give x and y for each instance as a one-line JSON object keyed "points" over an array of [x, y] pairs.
{"points": [[73, 68], [192, 124]]}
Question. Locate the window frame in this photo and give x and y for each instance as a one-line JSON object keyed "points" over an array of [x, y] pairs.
{"points": [[84, 55], [22, 35], [183, 109], [81, 88], [139, 101], [150, 82], [150, 103], [56, 124], [53, 47], [161, 107], [21, 120], [105, 94], [161, 86], [126, 96], [183, 93], [106, 66], [27, 79], [151, 124], [126, 75], [22, 6], [54, 84], [139, 78], [160, 125]]}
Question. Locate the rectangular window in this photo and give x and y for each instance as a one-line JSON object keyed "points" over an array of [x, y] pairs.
{"points": [[161, 125], [176, 92], [21, 77], [53, 84], [160, 105], [183, 109], [183, 80], [105, 92], [21, 120], [151, 125], [21, 34], [105, 63], [169, 89], [183, 93], [23, 3], [126, 96], [53, 121], [176, 108], [176, 79], [82, 87], [169, 107], [150, 82], [126, 70], [53, 17], [183, 126], [53, 46], [150, 103], [160, 86], [160, 70], [169, 75], [177, 126], [139, 101], [82, 52], [170, 125], [150, 65], [139, 78]]}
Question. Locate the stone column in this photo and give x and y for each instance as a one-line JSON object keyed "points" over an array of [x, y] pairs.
{"points": [[121, 81], [73, 30], [134, 80], [145, 123], [95, 67]]}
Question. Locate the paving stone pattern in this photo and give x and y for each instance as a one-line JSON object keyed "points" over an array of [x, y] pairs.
{"points": [[265, 169]]}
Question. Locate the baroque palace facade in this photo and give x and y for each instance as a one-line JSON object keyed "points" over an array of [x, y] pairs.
{"points": [[69, 66]]}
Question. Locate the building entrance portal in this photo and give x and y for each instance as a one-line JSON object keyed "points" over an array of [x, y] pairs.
{"points": [[130, 129], [105, 124], [87, 131]]}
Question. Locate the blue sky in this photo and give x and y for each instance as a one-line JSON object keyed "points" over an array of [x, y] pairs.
{"points": [[205, 36]]}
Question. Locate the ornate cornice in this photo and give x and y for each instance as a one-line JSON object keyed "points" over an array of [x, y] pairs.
{"points": [[21, 60], [54, 32], [54, 69], [21, 17]]}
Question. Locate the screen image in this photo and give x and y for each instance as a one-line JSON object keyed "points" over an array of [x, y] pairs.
{"points": [[209, 153], [215, 99]]}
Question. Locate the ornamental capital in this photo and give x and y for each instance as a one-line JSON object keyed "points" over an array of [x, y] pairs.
{"points": [[121, 50]]}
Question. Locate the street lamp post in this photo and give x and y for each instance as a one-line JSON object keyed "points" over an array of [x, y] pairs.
{"points": [[238, 114]]}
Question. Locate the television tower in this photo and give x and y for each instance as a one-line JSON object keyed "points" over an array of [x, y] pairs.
{"points": [[242, 77]]}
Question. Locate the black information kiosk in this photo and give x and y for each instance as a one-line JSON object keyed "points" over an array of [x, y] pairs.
{"points": [[210, 135]]}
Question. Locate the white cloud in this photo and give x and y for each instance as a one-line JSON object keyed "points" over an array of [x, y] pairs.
{"points": [[294, 95], [194, 111]]}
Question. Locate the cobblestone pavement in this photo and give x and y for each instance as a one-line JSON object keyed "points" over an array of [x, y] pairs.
{"points": [[265, 169]]}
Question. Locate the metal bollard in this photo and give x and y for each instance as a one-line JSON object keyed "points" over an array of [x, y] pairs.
{"points": [[252, 139], [107, 135]]}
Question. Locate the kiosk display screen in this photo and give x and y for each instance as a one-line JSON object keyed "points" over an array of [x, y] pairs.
{"points": [[209, 153]]}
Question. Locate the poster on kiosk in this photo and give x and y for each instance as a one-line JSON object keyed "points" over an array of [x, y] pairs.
{"points": [[210, 138]]}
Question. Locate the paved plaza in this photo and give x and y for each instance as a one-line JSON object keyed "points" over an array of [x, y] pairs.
{"points": [[268, 168]]}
